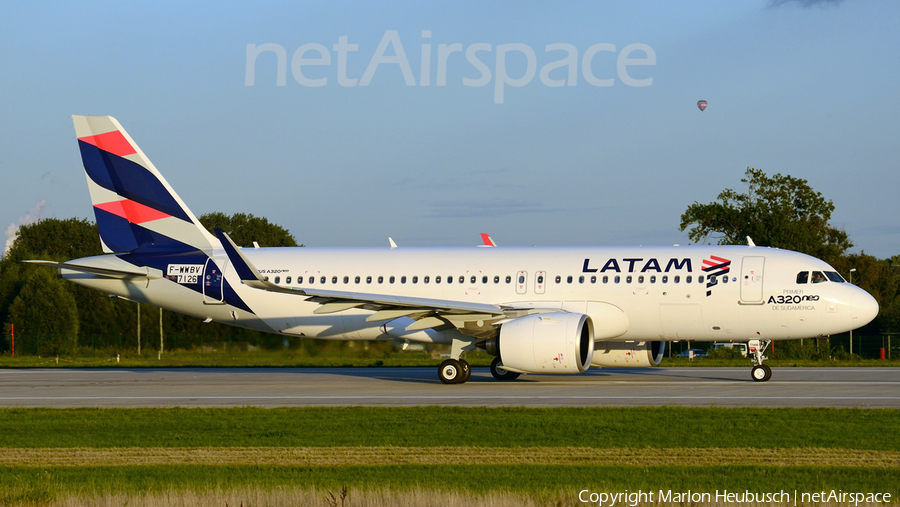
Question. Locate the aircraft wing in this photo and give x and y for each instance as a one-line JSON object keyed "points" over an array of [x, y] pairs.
{"points": [[427, 313]]}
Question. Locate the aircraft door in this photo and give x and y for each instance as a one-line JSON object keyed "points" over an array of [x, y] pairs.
{"points": [[213, 278], [752, 280]]}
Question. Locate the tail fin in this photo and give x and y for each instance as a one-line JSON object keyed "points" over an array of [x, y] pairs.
{"points": [[135, 207]]}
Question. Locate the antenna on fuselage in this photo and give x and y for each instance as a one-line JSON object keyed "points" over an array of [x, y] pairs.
{"points": [[750, 242], [391, 241]]}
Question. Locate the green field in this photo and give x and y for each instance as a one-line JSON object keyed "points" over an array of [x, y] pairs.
{"points": [[664, 427], [704, 440], [356, 358]]}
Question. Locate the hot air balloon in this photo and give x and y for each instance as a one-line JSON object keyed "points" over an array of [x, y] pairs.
{"points": [[701, 104]]}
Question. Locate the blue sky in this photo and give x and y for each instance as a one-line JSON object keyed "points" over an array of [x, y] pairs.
{"points": [[804, 88]]}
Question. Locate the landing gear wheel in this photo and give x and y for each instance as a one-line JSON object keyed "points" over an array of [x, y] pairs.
{"points": [[500, 373], [761, 373], [467, 371], [451, 372]]}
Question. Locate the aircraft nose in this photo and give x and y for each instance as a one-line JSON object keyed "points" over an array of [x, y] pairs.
{"points": [[864, 310]]}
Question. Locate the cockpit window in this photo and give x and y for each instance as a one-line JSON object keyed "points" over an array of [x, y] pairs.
{"points": [[803, 277], [818, 277], [834, 276]]}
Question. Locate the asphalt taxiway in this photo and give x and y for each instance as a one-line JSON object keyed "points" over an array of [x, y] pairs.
{"points": [[276, 387]]}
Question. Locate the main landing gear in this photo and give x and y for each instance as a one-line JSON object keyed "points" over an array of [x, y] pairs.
{"points": [[456, 370], [760, 372], [453, 371], [500, 373]]}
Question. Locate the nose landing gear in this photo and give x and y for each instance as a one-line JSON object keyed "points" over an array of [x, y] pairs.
{"points": [[760, 372]]}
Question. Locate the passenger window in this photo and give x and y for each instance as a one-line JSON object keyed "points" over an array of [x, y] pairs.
{"points": [[665, 279], [521, 279], [581, 279], [287, 280], [402, 279], [266, 278], [449, 279], [415, 279], [593, 279], [426, 279], [677, 279], [356, 280], [496, 279], [380, 279], [333, 279], [641, 279], [346, 279], [277, 280], [391, 279], [437, 279], [508, 279], [628, 279], [484, 279], [368, 279], [558, 279], [803, 277], [462, 279], [617, 278], [472, 279], [652, 279], [700, 279], [817, 277], [569, 279], [605, 279], [322, 280], [725, 279]]}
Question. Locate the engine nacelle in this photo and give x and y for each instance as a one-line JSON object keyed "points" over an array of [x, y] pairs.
{"points": [[547, 343], [635, 354]]}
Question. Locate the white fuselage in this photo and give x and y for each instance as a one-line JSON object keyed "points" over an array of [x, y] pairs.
{"points": [[631, 293]]}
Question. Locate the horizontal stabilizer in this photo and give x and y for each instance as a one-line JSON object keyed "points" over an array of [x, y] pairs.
{"points": [[102, 271]]}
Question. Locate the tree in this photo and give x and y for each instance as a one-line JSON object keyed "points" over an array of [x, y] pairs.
{"points": [[778, 211], [244, 229], [56, 239], [45, 315], [881, 281], [99, 320]]}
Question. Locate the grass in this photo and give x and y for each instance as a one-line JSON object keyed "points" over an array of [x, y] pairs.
{"points": [[292, 359], [447, 456], [650, 427], [530, 479], [434, 455], [236, 359]]}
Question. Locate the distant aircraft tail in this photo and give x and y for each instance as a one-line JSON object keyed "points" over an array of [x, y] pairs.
{"points": [[136, 209]]}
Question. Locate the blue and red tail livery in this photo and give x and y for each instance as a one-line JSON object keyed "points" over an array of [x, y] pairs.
{"points": [[135, 207]]}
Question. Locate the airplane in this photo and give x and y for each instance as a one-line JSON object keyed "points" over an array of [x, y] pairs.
{"points": [[538, 310]]}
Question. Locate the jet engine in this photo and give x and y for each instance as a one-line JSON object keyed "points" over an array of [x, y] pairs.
{"points": [[635, 354], [545, 343]]}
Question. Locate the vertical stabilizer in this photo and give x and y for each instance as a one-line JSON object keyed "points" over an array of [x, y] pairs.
{"points": [[135, 207]]}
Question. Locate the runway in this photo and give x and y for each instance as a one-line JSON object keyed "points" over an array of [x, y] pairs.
{"points": [[290, 387]]}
